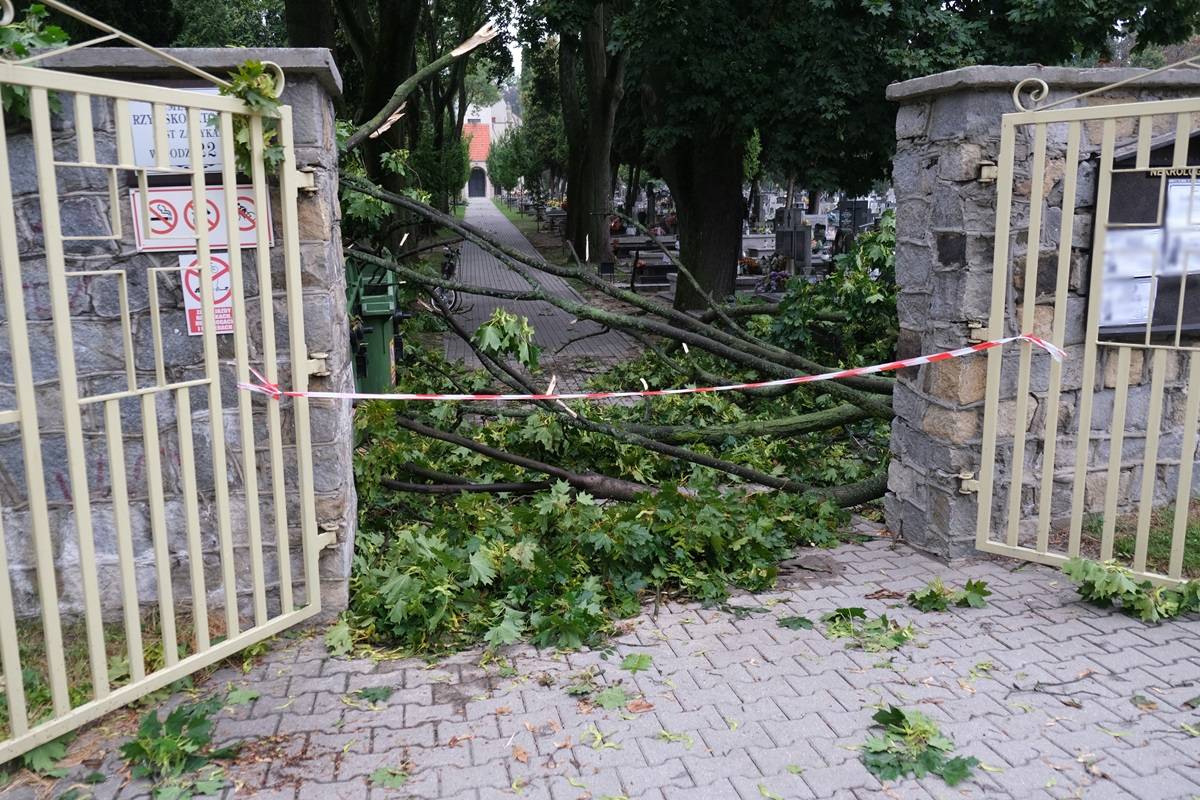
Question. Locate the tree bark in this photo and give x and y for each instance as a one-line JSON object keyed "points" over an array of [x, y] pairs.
{"points": [[705, 178], [784, 426], [631, 191], [310, 23], [589, 137]]}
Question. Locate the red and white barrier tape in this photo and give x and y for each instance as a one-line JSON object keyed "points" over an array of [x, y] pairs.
{"points": [[272, 390]]}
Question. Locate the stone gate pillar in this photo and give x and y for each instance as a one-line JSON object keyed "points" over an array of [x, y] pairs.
{"points": [[947, 143]]}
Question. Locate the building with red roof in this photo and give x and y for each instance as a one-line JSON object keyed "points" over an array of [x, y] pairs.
{"points": [[484, 125]]}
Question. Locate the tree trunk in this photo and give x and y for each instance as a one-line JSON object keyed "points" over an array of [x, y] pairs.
{"points": [[705, 178], [755, 203], [310, 23], [589, 138], [631, 191]]}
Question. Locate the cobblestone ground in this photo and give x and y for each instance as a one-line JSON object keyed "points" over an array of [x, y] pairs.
{"points": [[1037, 686]]}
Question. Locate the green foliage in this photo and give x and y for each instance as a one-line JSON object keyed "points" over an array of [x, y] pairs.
{"points": [[911, 744], [389, 777], [861, 289], [44, 758], [254, 85], [637, 662], [339, 639], [556, 566], [937, 596], [873, 635], [612, 698], [175, 754], [231, 23], [1112, 585], [240, 696], [18, 40], [796, 623], [441, 167], [505, 165], [506, 334]]}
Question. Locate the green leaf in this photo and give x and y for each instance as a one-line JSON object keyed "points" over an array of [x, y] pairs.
{"points": [[44, 758], [611, 698], [375, 694], [240, 696], [338, 639], [958, 769], [636, 662], [796, 623], [389, 777], [767, 793], [482, 570]]}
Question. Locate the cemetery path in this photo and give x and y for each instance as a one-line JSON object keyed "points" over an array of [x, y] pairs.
{"points": [[1059, 699], [554, 327]]}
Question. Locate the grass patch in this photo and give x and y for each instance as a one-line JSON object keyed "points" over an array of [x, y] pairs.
{"points": [[1158, 548], [35, 672]]}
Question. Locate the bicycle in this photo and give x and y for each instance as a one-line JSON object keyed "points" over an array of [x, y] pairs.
{"points": [[449, 300]]}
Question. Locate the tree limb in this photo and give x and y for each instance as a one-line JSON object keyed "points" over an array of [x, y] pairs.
{"points": [[594, 483], [770, 361], [528, 487], [784, 426], [373, 125]]}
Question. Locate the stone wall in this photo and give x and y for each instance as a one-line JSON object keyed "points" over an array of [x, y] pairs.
{"points": [[947, 129], [313, 84]]}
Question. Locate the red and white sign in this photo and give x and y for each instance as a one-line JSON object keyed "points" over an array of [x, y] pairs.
{"points": [[222, 292], [171, 212]]}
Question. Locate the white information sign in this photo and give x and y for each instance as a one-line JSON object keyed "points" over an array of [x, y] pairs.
{"points": [[172, 219], [222, 287], [141, 121]]}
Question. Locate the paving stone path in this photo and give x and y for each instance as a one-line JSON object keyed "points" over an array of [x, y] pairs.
{"points": [[1038, 686], [554, 327]]}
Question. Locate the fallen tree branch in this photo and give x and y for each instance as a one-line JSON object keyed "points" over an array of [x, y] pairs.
{"points": [[875, 403], [528, 487], [784, 426], [576, 419], [387, 116], [593, 483], [735, 348]]}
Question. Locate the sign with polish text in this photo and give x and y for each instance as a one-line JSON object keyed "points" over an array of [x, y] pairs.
{"points": [[222, 292]]}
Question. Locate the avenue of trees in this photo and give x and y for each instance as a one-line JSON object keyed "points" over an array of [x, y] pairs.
{"points": [[669, 87]]}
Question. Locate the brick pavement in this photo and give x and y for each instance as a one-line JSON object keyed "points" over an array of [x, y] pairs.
{"points": [[554, 327], [755, 710]]}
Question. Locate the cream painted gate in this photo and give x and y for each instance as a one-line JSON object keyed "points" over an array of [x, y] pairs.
{"points": [[153, 516], [1097, 248]]}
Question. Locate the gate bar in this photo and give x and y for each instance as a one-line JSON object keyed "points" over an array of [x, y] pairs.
{"points": [[1084, 435], [212, 367], [60, 311], [241, 367], [270, 357]]}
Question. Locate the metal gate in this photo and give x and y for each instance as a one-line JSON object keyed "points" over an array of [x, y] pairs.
{"points": [[1096, 249], [160, 520]]}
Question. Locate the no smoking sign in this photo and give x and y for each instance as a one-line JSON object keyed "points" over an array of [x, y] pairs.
{"points": [[165, 219], [222, 293]]}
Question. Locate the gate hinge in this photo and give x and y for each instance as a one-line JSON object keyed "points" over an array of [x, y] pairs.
{"points": [[318, 364], [977, 332], [967, 483], [306, 179], [328, 535], [988, 172]]}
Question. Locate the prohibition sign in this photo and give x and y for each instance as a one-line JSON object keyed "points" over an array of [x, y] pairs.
{"points": [[214, 215], [222, 284], [163, 217], [247, 215]]}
